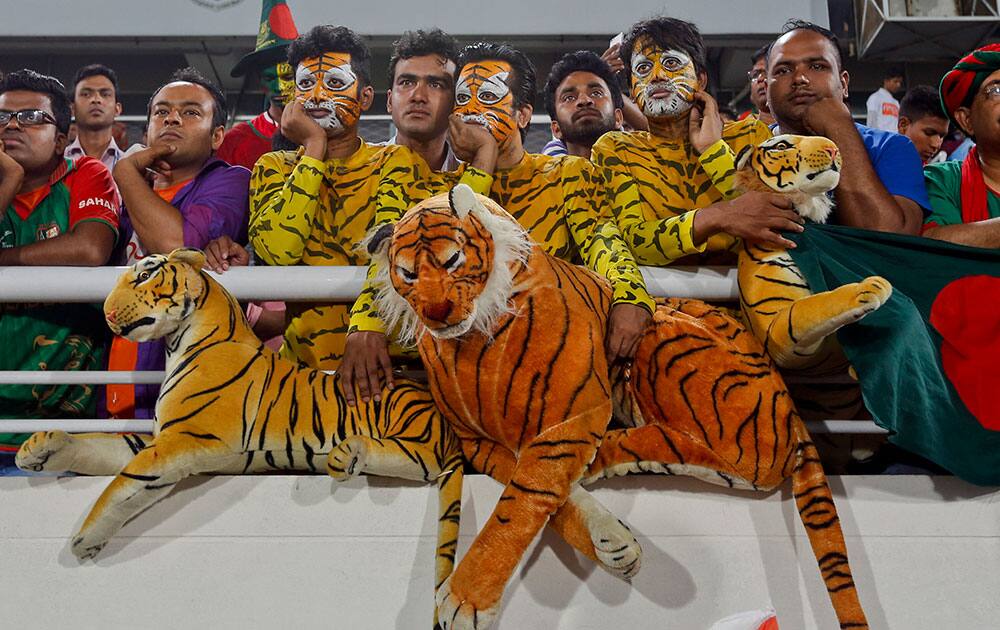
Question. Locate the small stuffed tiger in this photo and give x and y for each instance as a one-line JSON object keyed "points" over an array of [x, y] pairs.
{"points": [[230, 405], [513, 343], [794, 324]]}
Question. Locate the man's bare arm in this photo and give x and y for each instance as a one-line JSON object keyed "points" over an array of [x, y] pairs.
{"points": [[979, 234], [158, 224], [88, 245]]}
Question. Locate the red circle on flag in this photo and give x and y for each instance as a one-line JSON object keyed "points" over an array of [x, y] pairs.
{"points": [[966, 313], [280, 19]]}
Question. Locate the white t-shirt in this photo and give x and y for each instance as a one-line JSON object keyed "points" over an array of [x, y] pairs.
{"points": [[883, 111]]}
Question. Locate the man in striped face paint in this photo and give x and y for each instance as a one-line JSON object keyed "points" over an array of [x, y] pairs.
{"points": [[664, 82], [330, 92]]}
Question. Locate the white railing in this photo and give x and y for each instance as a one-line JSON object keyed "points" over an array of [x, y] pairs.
{"points": [[292, 284]]}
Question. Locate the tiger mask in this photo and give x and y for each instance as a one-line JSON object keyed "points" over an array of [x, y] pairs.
{"points": [[795, 325], [528, 392], [230, 405]]}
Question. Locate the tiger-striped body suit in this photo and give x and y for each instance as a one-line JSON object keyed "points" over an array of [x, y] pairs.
{"points": [[796, 326], [307, 212], [229, 404], [656, 187], [513, 341]]}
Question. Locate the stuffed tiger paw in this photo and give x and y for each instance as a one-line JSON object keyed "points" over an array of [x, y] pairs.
{"points": [[458, 611], [794, 324], [616, 548], [45, 451], [348, 459]]}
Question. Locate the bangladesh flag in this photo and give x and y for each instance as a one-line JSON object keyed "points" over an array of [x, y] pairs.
{"points": [[928, 359]]}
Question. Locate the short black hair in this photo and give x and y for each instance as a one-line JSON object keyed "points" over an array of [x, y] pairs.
{"points": [[191, 75], [31, 81], [96, 70], [668, 33], [580, 61], [804, 25], [419, 43], [327, 38], [894, 71], [760, 53], [922, 101], [523, 83]]}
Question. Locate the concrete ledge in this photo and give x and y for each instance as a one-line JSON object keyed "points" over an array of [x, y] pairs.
{"points": [[287, 551]]}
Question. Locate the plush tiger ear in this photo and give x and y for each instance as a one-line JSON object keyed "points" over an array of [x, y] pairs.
{"points": [[743, 156], [462, 200], [378, 241], [192, 257]]}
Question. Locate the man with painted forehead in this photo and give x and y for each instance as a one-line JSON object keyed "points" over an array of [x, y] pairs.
{"points": [[312, 206], [669, 185], [559, 200]]}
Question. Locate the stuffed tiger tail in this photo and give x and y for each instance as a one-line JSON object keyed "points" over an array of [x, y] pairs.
{"points": [[794, 324]]}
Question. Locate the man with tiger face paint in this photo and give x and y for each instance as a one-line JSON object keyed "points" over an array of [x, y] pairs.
{"points": [[559, 200], [668, 185]]}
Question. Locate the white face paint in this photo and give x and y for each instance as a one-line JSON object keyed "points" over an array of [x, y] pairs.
{"points": [[328, 83], [663, 82]]}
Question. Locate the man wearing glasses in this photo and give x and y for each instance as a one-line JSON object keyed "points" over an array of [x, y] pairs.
{"points": [[57, 211], [758, 86]]}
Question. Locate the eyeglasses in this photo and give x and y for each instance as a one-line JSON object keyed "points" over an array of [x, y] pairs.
{"points": [[756, 75], [992, 91], [27, 117]]}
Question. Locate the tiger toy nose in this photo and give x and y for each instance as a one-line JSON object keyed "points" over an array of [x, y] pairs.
{"points": [[438, 312], [111, 316]]}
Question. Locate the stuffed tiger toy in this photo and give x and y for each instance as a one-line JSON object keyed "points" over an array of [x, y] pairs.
{"points": [[230, 405], [513, 343], [794, 324]]}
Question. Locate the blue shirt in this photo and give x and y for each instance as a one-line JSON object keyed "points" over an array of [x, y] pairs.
{"points": [[897, 164]]}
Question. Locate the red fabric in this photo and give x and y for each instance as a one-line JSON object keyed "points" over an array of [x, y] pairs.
{"points": [[973, 189], [246, 142], [966, 313], [121, 398], [281, 22], [92, 193]]}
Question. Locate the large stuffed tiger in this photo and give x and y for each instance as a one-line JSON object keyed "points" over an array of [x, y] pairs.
{"points": [[230, 405], [794, 324], [512, 340]]}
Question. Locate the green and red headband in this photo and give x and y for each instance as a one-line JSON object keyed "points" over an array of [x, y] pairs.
{"points": [[960, 84]]}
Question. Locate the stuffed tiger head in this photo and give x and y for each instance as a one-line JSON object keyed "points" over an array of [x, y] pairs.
{"points": [[447, 267], [803, 167], [155, 295]]}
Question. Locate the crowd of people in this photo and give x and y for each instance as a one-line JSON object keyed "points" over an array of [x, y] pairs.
{"points": [[639, 171]]}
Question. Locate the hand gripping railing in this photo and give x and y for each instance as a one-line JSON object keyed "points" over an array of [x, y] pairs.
{"points": [[290, 284]]}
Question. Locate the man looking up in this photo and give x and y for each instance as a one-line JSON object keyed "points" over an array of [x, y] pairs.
{"points": [[247, 141], [965, 196], [421, 93], [194, 198], [95, 106], [583, 100], [922, 120], [667, 185], [56, 211], [881, 184]]}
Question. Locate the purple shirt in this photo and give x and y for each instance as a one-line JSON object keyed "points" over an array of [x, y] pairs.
{"points": [[214, 203]]}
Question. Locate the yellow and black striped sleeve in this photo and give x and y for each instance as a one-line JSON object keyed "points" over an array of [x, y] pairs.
{"points": [[719, 160], [596, 235], [653, 240], [284, 197]]}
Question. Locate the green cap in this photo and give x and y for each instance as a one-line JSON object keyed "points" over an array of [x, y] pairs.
{"points": [[277, 30]]}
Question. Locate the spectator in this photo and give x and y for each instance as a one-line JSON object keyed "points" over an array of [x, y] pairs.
{"points": [[881, 184], [95, 106], [758, 85], [422, 89], [668, 184], [583, 101], [192, 198], [883, 108], [965, 196], [315, 205], [57, 211], [922, 120], [247, 141]]}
